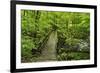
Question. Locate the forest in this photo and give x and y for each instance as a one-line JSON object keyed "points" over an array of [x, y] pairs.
{"points": [[54, 36]]}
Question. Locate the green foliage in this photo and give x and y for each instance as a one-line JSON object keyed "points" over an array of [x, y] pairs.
{"points": [[71, 27]]}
